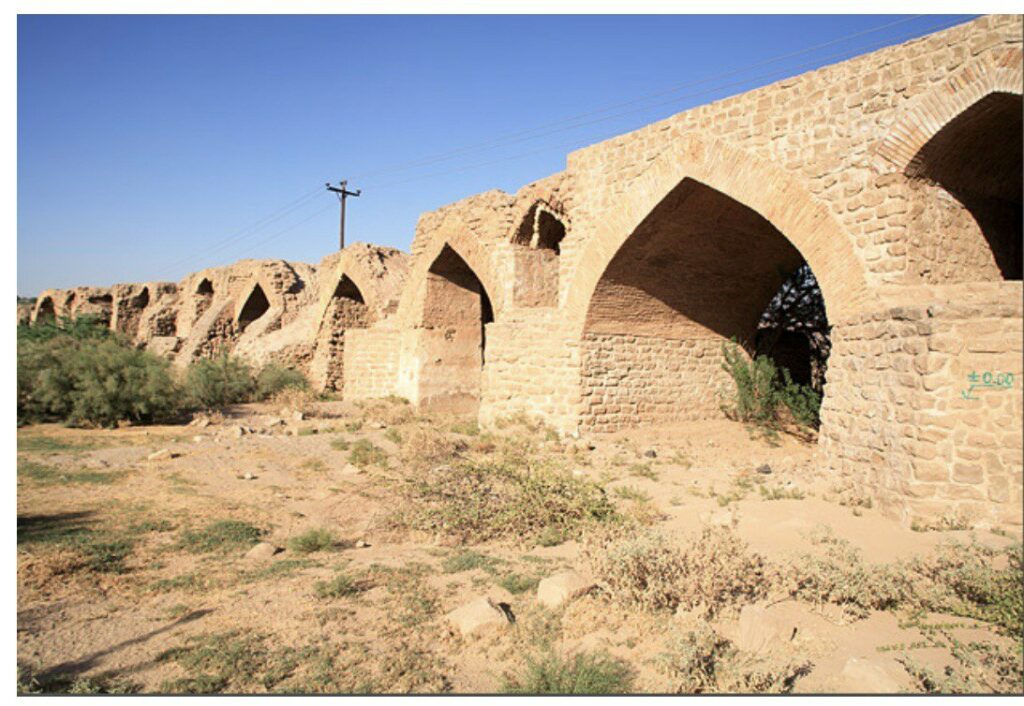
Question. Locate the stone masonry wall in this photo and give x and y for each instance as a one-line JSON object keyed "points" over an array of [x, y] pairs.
{"points": [[648, 379], [895, 417], [531, 368], [371, 362]]}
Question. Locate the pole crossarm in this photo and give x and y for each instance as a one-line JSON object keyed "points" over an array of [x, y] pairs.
{"points": [[343, 193]]}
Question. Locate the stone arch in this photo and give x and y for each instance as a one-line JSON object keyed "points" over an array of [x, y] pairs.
{"points": [[765, 189], [932, 111], [965, 137], [46, 312], [536, 262], [204, 294], [456, 309], [255, 306], [345, 308], [68, 307], [477, 258], [701, 244]]}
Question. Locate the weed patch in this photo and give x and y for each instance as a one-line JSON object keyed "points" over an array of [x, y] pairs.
{"points": [[476, 502], [221, 536], [583, 673]]}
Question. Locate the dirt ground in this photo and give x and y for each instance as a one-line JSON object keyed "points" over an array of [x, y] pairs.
{"points": [[116, 590]]}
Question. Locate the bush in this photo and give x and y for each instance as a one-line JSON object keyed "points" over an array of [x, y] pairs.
{"points": [[764, 390], [217, 382], [646, 570], [841, 578], [84, 376], [274, 378], [338, 587], [977, 582], [581, 674], [477, 502], [313, 540], [704, 662]]}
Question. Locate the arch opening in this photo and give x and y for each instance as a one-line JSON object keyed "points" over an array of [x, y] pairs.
{"points": [[204, 297], [976, 158], [255, 306], [699, 270], [47, 313], [536, 262], [456, 311], [346, 310]]}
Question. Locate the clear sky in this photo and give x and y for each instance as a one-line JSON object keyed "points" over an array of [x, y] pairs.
{"points": [[152, 146]]}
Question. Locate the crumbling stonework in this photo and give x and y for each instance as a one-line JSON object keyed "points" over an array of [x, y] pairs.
{"points": [[599, 298]]}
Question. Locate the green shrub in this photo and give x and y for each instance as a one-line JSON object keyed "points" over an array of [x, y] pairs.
{"points": [[839, 577], [338, 587], [222, 535], [274, 378], [583, 673], [977, 582], [220, 381], [84, 377], [764, 390], [314, 540]]}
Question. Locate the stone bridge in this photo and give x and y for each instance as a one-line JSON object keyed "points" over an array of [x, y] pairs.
{"points": [[599, 298]]}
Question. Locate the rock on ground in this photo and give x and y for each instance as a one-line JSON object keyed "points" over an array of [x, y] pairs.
{"points": [[562, 588], [868, 675], [759, 629], [262, 552], [478, 617]]}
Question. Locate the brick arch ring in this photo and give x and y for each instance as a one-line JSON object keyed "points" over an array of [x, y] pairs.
{"points": [[763, 187], [250, 286], [927, 114], [410, 307], [353, 269]]}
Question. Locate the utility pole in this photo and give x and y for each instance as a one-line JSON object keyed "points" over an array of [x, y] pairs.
{"points": [[342, 191]]}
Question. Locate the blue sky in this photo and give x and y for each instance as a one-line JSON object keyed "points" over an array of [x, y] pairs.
{"points": [[152, 146]]}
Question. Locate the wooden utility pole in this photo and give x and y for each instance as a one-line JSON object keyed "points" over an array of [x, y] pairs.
{"points": [[342, 191]]}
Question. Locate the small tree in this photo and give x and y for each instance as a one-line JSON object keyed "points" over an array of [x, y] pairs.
{"points": [[220, 381], [764, 390]]}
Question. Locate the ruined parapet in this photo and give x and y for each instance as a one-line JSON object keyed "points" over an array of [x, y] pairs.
{"points": [[94, 302], [231, 309], [25, 312], [144, 310]]}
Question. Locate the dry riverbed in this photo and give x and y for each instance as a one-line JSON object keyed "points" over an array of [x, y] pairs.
{"points": [[693, 558]]}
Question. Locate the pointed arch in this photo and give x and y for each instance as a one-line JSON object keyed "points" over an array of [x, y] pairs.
{"points": [[452, 334], [256, 305], [772, 194]]}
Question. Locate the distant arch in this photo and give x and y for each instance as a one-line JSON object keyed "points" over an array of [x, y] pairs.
{"points": [[932, 111], [256, 305], [46, 311]]}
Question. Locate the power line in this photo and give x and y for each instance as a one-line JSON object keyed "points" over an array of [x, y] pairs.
{"points": [[777, 75], [519, 136], [244, 233]]}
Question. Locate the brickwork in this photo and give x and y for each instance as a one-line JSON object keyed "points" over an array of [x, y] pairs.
{"points": [[630, 380], [371, 362]]}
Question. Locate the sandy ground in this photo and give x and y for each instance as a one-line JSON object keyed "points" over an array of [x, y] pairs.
{"points": [[288, 478]]}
